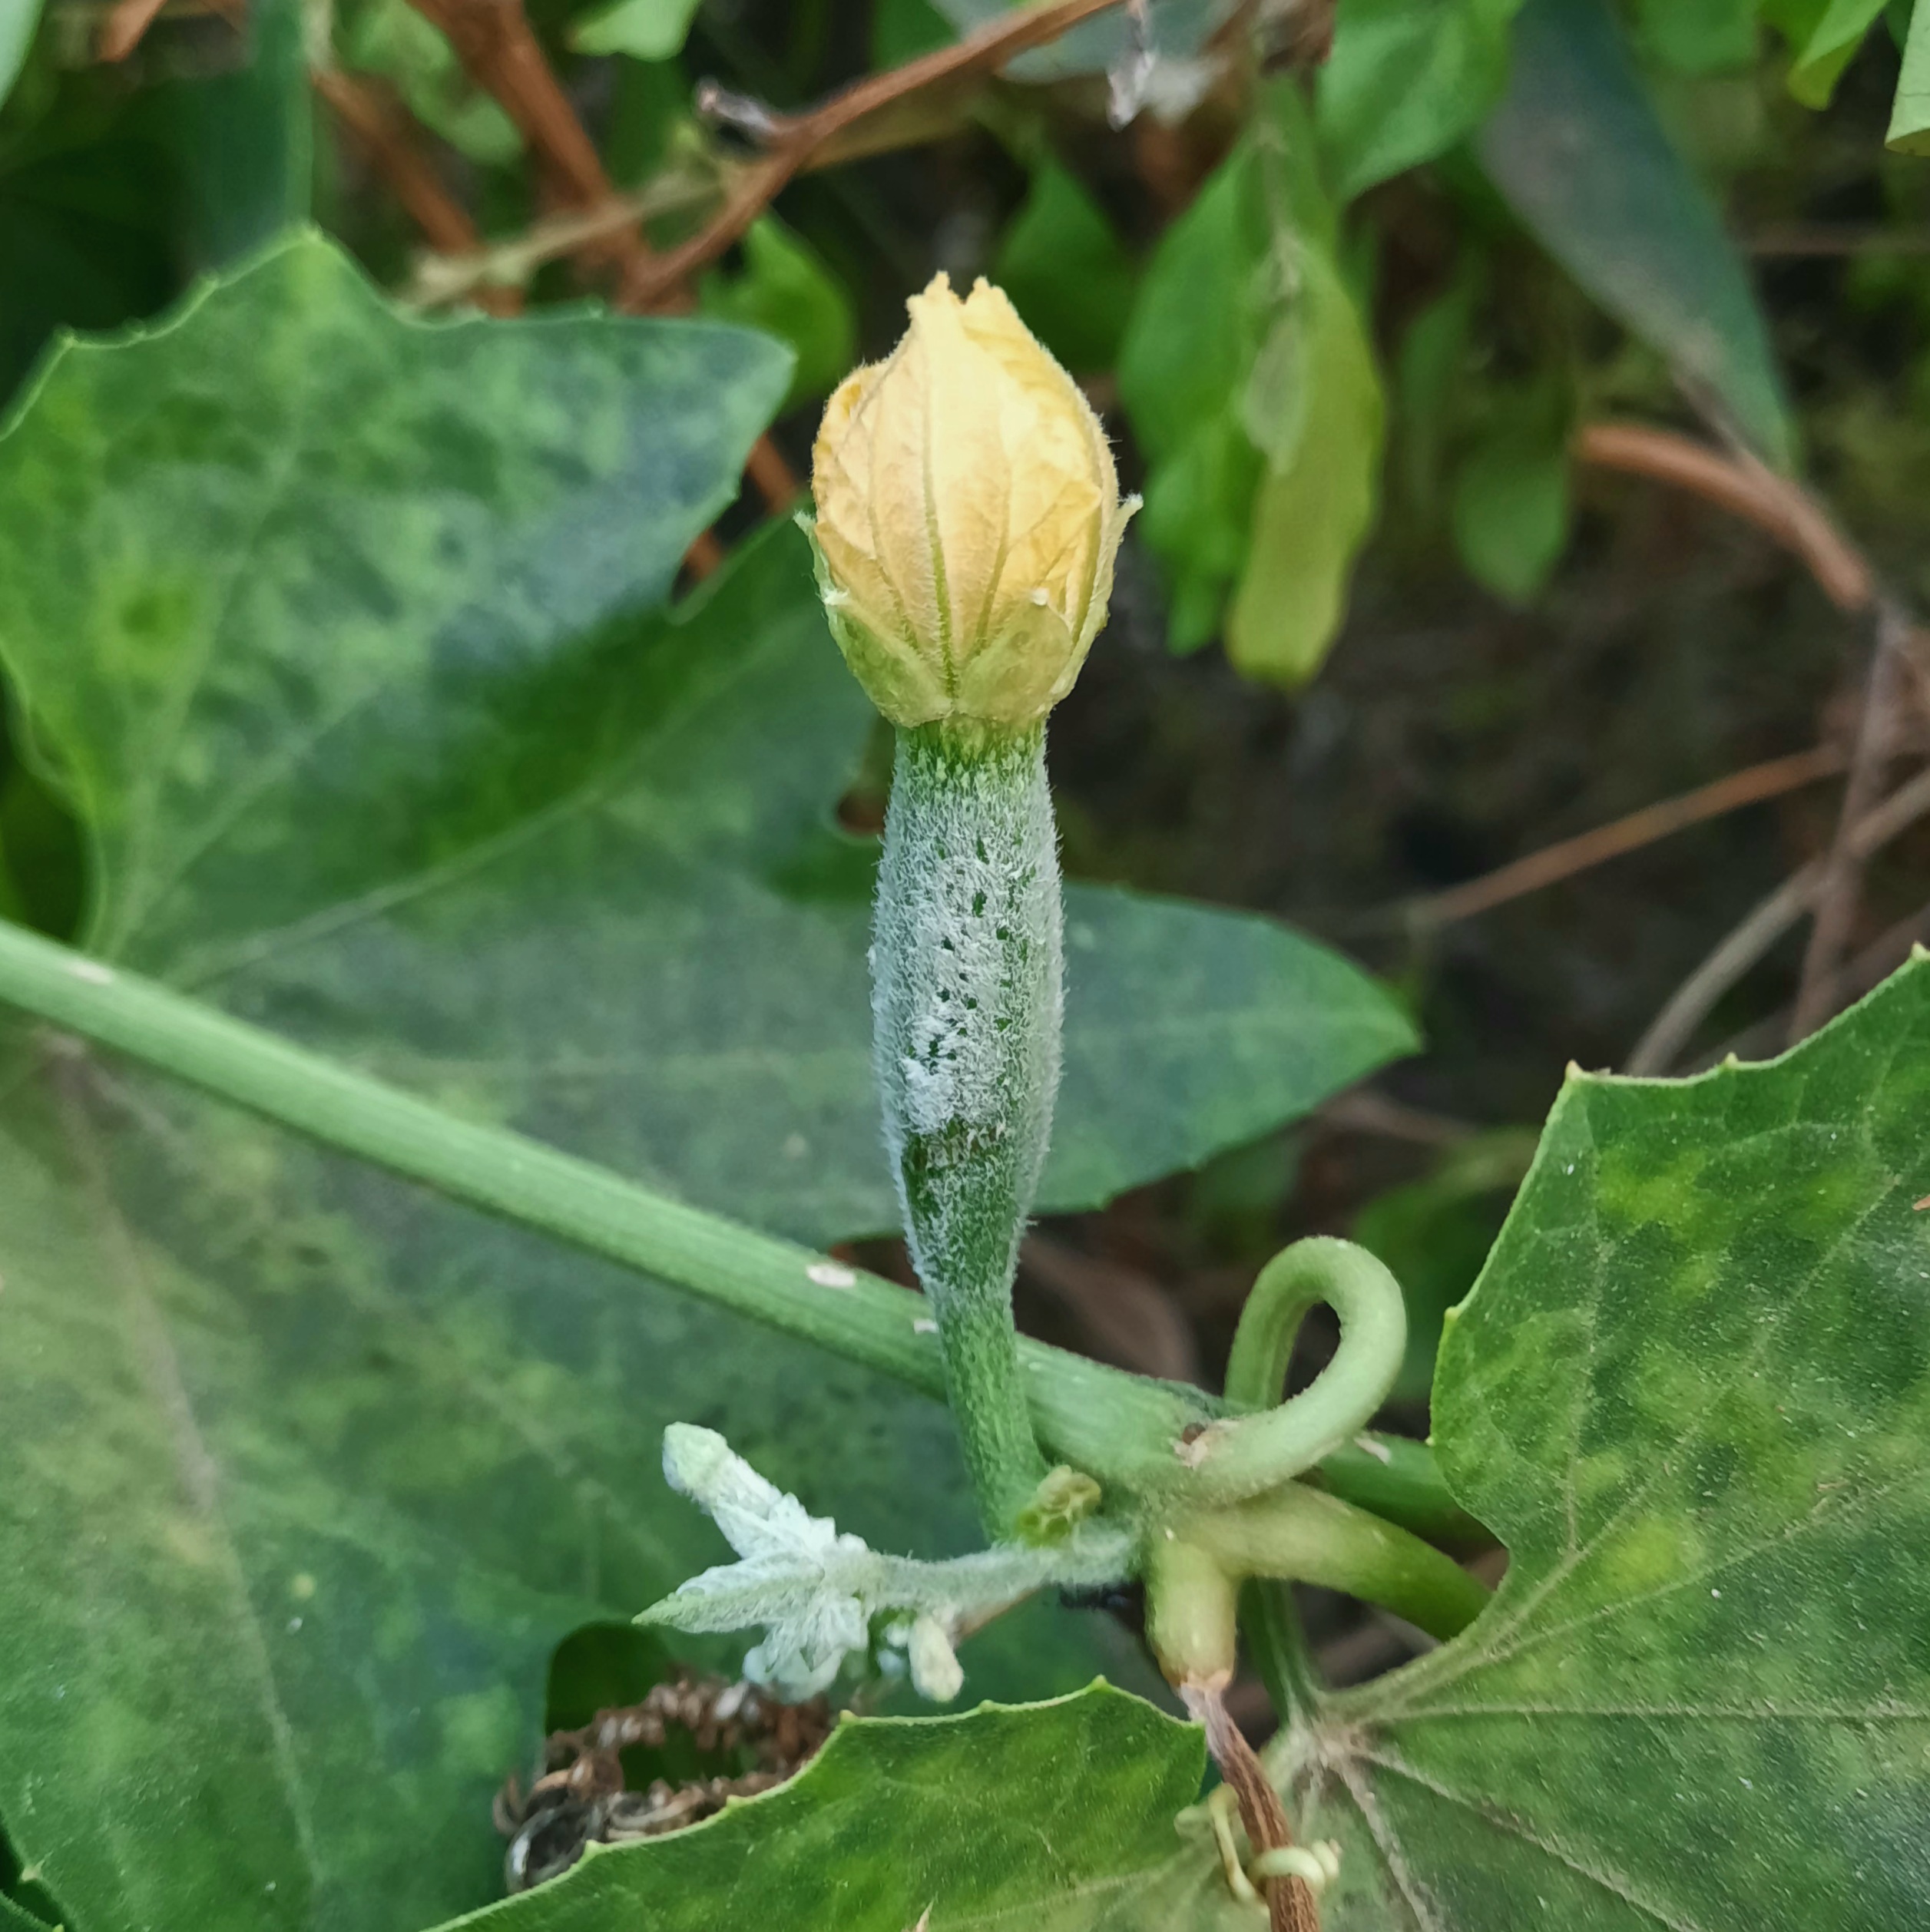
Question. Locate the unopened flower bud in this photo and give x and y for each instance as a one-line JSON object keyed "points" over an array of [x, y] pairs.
{"points": [[968, 517]]}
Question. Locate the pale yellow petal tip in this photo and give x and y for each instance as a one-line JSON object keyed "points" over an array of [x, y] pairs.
{"points": [[968, 517]]}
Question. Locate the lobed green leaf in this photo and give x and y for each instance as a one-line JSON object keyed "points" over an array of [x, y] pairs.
{"points": [[1691, 1391]]}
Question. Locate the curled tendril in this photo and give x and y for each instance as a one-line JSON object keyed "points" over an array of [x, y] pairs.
{"points": [[1316, 1866], [1245, 1455]]}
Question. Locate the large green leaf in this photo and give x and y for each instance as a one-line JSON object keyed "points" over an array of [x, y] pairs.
{"points": [[1057, 1816], [366, 748], [1691, 1390], [1577, 147], [345, 634]]}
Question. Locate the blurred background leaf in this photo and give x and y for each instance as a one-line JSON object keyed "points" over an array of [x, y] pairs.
{"points": [[391, 38], [1511, 508], [17, 21], [785, 289], [1697, 36], [1407, 79], [1909, 131], [1577, 147], [1066, 270], [647, 29], [1253, 387], [1837, 34]]}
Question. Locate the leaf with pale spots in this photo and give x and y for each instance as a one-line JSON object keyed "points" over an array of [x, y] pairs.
{"points": [[1691, 1391], [347, 635]]}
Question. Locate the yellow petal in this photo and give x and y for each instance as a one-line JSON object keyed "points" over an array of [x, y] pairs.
{"points": [[967, 515]]}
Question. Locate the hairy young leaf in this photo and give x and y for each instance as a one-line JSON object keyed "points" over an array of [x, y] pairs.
{"points": [[1058, 1817], [1691, 1391], [345, 634], [1577, 147]]}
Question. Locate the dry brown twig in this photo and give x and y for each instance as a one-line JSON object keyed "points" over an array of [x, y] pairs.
{"points": [[1840, 890], [793, 142], [386, 132], [1670, 1031], [1833, 887], [1362, 1109], [493, 40], [1876, 963], [1783, 509], [125, 27], [444, 275], [1564, 859], [1777, 504]]}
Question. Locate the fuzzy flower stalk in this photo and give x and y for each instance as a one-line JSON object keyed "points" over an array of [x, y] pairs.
{"points": [[968, 517]]}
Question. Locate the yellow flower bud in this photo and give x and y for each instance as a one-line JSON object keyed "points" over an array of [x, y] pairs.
{"points": [[967, 518]]}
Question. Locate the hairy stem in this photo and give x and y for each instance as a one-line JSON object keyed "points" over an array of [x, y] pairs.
{"points": [[966, 1011], [1195, 1564]]}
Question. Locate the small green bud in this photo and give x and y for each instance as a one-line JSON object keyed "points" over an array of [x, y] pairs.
{"points": [[1062, 1501]]}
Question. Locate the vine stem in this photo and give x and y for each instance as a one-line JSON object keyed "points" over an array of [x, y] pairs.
{"points": [[1298, 1534], [1119, 1427]]}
